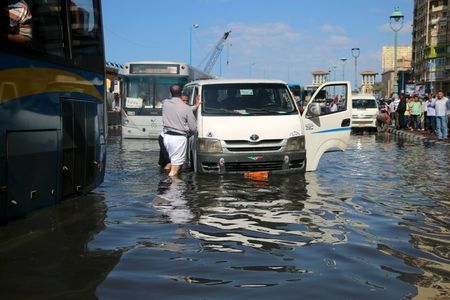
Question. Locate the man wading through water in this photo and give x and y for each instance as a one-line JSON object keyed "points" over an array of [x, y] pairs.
{"points": [[178, 123]]}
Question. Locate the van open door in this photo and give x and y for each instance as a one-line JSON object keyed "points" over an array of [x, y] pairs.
{"points": [[327, 121]]}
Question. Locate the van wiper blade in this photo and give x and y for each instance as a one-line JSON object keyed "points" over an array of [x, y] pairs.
{"points": [[265, 110], [212, 110]]}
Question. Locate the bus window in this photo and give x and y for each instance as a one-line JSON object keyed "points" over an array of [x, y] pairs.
{"points": [[41, 24], [162, 88], [86, 44], [47, 27], [141, 87]]}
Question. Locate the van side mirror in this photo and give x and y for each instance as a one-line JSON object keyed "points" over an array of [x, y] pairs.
{"points": [[313, 110]]}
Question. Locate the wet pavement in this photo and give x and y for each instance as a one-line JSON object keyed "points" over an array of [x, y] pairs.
{"points": [[371, 222]]}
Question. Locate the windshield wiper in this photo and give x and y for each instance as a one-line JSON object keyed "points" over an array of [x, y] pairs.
{"points": [[265, 110], [221, 110]]}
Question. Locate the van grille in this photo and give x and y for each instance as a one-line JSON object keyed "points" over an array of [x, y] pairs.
{"points": [[253, 149], [253, 166], [247, 146]]}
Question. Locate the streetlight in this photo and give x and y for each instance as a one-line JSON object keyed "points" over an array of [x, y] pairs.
{"points": [[250, 70], [194, 26], [396, 23], [334, 78], [343, 59], [355, 54], [334, 72]]}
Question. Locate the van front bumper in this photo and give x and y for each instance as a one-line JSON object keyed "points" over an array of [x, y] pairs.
{"points": [[278, 162]]}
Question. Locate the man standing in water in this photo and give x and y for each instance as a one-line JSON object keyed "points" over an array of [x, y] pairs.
{"points": [[178, 123]]}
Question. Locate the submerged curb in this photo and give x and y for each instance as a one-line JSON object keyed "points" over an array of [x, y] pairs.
{"points": [[412, 136]]}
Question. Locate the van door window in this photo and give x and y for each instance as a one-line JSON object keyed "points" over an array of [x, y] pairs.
{"points": [[329, 100]]}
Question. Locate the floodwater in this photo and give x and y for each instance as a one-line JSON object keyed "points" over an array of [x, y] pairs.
{"points": [[372, 223]]}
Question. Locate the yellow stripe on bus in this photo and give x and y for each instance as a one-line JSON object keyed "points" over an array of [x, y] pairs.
{"points": [[21, 82]]}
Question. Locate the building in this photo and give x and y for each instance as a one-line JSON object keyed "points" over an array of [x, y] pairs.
{"points": [[387, 77], [404, 65], [404, 53], [319, 77], [431, 45], [368, 81]]}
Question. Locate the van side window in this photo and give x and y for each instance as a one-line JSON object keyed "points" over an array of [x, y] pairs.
{"points": [[329, 100]]}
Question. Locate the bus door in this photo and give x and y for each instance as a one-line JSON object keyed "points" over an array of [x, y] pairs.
{"points": [[327, 121], [79, 129]]}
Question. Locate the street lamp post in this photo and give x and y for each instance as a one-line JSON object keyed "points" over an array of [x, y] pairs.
{"points": [[343, 59], [334, 78], [194, 26], [250, 69], [396, 22], [355, 54]]}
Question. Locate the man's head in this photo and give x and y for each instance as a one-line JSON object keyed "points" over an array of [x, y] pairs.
{"points": [[440, 95], [185, 98], [175, 90]]}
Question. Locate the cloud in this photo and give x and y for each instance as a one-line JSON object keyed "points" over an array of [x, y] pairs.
{"points": [[339, 40], [332, 29]]}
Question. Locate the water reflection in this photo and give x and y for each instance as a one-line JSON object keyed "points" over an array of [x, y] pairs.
{"points": [[46, 255], [371, 222], [287, 211]]}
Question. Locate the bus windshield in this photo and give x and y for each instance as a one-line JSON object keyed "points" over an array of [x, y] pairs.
{"points": [[247, 99], [148, 92]]}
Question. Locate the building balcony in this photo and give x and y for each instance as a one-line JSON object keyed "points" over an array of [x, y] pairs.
{"points": [[438, 8]]}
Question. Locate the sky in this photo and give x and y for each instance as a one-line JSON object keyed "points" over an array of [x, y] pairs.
{"points": [[284, 39]]}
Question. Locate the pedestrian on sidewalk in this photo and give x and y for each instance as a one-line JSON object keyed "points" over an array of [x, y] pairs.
{"points": [[408, 124], [425, 102], [416, 112], [441, 106], [431, 116], [401, 112]]}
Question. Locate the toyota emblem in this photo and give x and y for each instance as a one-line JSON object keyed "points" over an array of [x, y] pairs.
{"points": [[254, 137]]}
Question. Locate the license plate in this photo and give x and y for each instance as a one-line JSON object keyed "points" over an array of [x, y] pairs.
{"points": [[259, 176]]}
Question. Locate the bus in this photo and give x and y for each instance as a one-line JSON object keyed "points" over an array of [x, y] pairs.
{"points": [[145, 85], [52, 84]]}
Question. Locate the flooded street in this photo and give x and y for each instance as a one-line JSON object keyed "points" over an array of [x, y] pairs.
{"points": [[372, 222]]}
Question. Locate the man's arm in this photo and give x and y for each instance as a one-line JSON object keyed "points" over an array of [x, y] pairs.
{"points": [[191, 121]]}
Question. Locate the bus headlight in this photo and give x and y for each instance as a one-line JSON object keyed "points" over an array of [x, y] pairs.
{"points": [[209, 145], [295, 143]]}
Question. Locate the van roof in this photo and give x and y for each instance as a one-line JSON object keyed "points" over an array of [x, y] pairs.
{"points": [[228, 81]]}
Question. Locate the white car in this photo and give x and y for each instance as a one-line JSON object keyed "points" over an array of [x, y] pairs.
{"points": [[364, 112]]}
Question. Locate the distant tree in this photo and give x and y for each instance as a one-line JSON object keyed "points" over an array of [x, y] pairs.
{"points": [[377, 87]]}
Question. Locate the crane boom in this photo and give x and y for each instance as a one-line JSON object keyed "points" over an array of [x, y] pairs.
{"points": [[215, 53]]}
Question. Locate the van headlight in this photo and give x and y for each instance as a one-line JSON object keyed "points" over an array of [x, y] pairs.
{"points": [[209, 145], [295, 143]]}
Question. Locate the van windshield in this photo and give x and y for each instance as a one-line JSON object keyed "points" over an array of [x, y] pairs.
{"points": [[364, 103], [247, 99]]}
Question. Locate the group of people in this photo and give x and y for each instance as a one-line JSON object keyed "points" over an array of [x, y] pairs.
{"points": [[429, 112], [178, 124]]}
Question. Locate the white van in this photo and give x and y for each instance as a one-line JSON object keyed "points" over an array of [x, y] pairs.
{"points": [[365, 111], [255, 125]]}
